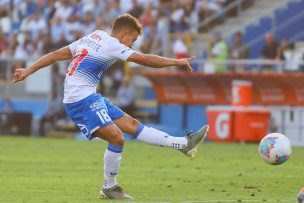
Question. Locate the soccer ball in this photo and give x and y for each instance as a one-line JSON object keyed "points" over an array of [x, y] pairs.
{"points": [[300, 196], [275, 148]]}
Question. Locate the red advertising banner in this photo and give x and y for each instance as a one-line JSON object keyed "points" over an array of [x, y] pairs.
{"points": [[200, 88]]}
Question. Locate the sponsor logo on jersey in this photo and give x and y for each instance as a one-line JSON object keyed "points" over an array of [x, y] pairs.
{"points": [[95, 36], [95, 106]]}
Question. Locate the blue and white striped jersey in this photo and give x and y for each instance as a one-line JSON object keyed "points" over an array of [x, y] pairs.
{"points": [[92, 55]]}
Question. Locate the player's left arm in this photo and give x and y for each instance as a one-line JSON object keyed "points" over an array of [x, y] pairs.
{"points": [[159, 61], [48, 59]]}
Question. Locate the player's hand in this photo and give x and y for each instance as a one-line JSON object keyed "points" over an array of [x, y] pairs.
{"points": [[19, 75], [185, 63]]}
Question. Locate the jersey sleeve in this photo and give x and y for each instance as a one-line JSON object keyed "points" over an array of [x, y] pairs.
{"points": [[119, 51], [73, 47]]}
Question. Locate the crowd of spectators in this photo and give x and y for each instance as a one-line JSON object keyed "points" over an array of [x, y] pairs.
{"points": [[30, 28], [282, 51], [224, 54]]}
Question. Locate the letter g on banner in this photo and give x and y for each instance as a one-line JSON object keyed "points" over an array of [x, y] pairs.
{"points": [[222, 125]]}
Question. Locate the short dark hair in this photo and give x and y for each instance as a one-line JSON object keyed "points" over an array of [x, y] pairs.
{"points": [[127, 21]]}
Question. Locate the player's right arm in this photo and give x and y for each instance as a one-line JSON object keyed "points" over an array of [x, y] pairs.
{"points": [[159, 61], [48, 59], [122, 52]]}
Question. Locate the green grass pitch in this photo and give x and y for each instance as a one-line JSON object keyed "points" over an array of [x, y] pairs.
{"points": [[64, 170]]}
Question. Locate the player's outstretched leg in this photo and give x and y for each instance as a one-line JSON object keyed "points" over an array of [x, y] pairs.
{"points": [[188, 144], [194, 139], [149, 135]]}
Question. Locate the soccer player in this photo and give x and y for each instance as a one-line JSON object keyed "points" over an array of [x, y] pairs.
{"points": [[94, 114]]}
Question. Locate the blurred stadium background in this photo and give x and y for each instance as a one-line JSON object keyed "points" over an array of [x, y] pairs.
{"points": [[247, 82], [261, 42]]}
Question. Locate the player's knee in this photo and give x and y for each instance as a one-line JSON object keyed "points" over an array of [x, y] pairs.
{"points": [[133, 126], [117, 139]]}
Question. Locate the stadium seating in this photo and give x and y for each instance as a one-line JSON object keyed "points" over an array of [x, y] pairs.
{"points": [[293, 12], [252, 31], [287, 23]]}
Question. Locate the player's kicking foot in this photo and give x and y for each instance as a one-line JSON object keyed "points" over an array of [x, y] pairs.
{"points": [[194, 139], [115, 192]]}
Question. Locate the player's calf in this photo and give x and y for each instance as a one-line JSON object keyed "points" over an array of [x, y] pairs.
{"points": [[153, 136]]}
